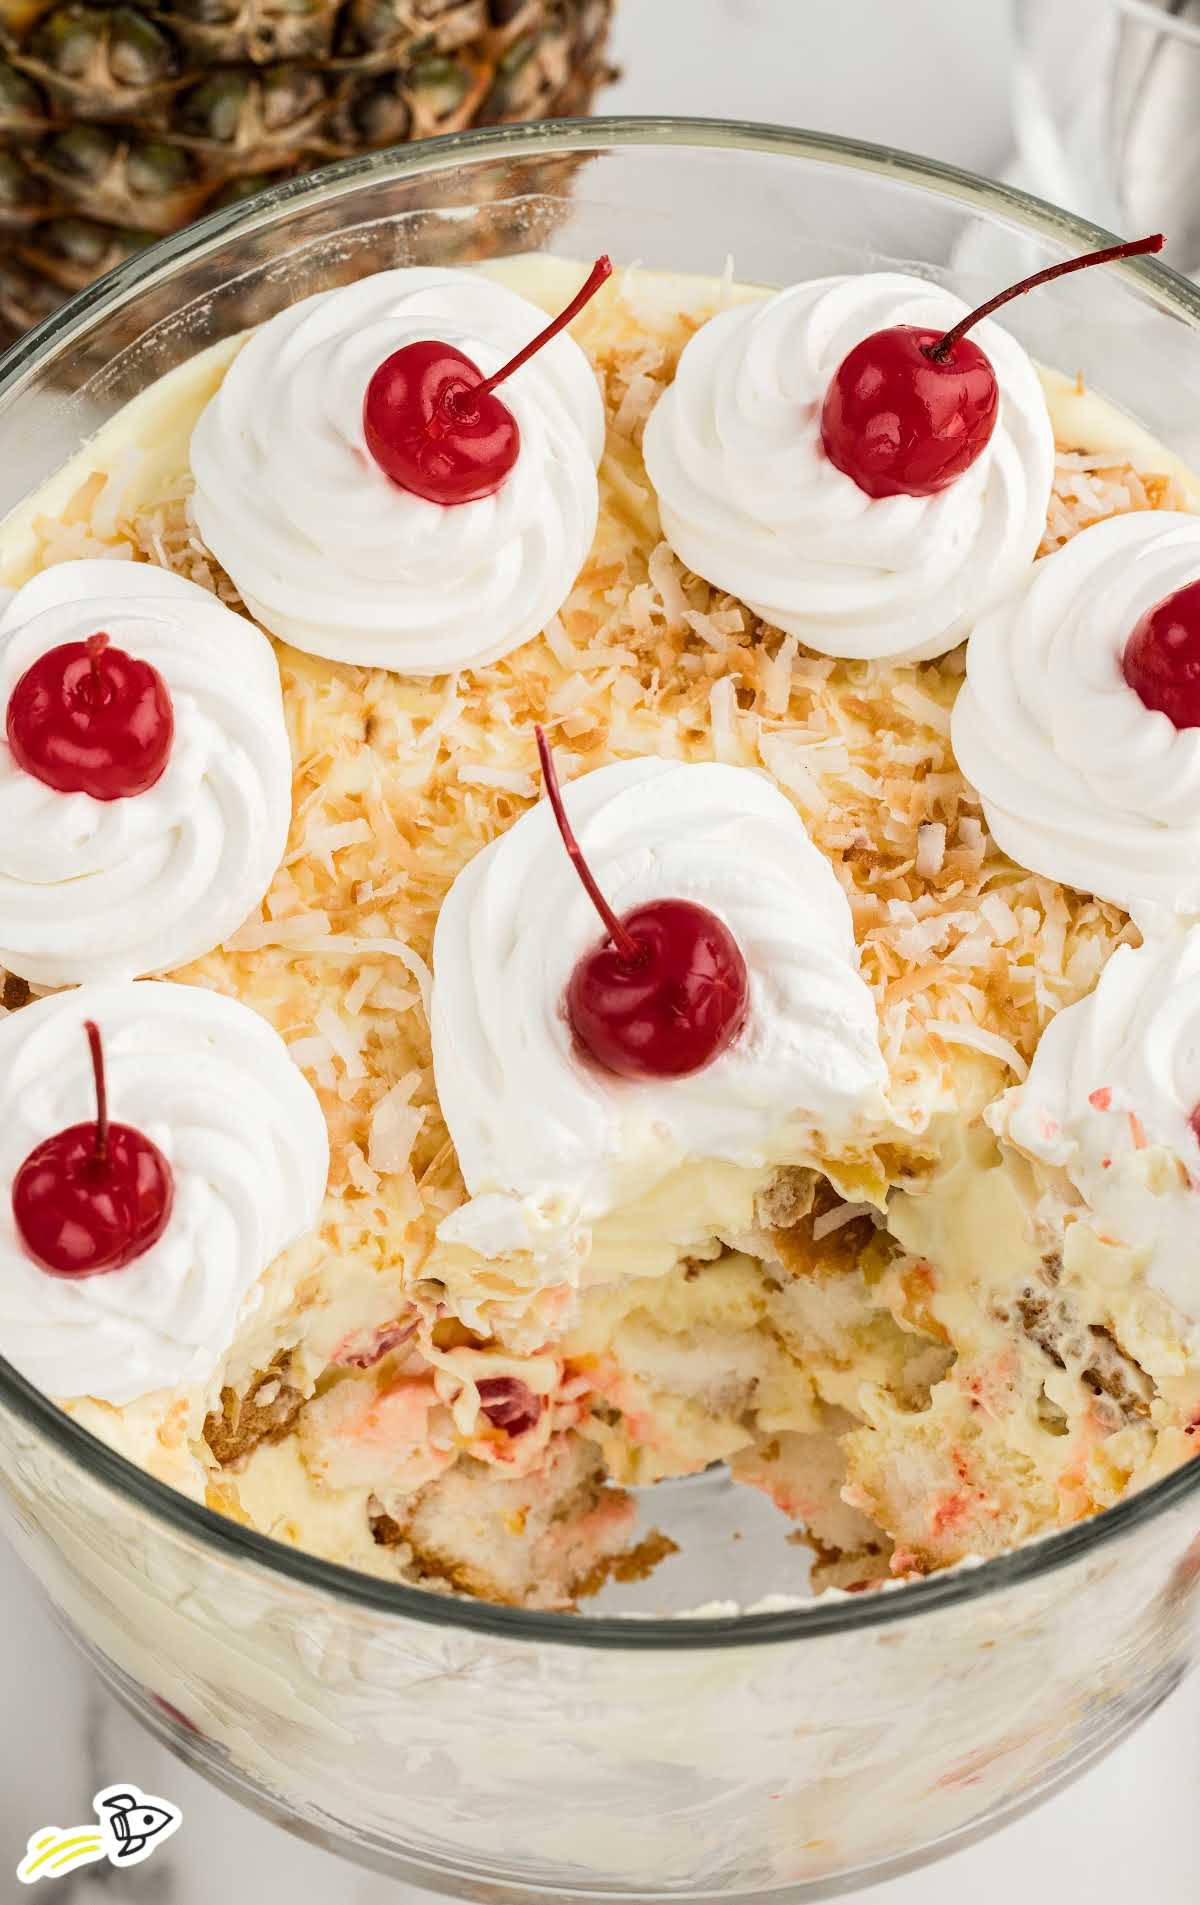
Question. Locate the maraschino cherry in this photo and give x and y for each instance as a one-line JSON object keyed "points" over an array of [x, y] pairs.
{"points": [[666, 992], [509, 1404], [432, 423], [95, 1196], [86, 718], [908, 410], [1161, 661]]}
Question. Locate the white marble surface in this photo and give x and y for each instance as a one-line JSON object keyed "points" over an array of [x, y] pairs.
{"points": [[929, 74]]}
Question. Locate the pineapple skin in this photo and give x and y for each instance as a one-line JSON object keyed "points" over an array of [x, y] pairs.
{"points": [[121, 120]]}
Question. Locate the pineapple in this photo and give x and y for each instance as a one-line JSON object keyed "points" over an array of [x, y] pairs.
{"points": [[121, 120]]}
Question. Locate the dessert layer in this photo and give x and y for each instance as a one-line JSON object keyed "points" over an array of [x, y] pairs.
{"points": [[881, 1334]]}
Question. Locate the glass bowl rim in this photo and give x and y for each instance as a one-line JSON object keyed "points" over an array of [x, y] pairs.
{"points": [[240, 1546], [1147, 14]]}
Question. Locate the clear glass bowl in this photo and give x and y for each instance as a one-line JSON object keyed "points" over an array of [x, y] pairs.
{"points": [[789, 1752], [1105, 98]]}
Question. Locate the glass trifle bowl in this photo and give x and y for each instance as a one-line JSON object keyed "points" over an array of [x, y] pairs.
{"points": [[712, 1732]]}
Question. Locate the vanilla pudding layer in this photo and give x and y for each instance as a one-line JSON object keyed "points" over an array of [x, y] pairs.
{"points": [[885, 1341]]}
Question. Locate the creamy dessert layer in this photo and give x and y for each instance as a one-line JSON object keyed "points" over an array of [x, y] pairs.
{"points": [[907, 1317]]}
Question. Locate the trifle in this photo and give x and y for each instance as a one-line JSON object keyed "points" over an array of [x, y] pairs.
{"points": [[580, 906]]}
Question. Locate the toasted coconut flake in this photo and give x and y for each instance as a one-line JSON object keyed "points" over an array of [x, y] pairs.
{"points": [[361, 990], [722, 704], [322, 842], [923, 708], [560, 644], [513, 779], [347, 946], [110, 507], [776, 673], [994, 908], [790, 764], [343, 1040], [931, 849], [395, 1123], [667, 581], [979, 1040], [315, 1055], [360, 1172], [1088, 488]]}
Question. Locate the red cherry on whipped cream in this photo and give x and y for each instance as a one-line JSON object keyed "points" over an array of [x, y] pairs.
{"points": [[95, 1196], [666, 992], [908, 410], [86, 718], [432, 423], [1161, 661]]}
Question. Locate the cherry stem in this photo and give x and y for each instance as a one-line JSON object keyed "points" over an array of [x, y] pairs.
{"points": [[96, 645], [601, 270], [1133, 248], [623, 940], [97, 1050]]}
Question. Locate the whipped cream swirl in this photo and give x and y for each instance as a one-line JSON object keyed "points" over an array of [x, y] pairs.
{"points": [[750, 501], [105, 889], [326, 550], [1110, 1099], [545, 1138], [212, 1084], [1081, 781]]}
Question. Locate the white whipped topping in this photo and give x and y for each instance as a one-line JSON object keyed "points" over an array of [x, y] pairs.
{"points": [[1080, 780], [332, 555], [1109, 1101], [211, 1083], [750, 501], [545, 1138], [102, 889]]}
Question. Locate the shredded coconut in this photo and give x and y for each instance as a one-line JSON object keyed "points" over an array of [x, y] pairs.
{"points": [[931, 849], [394, 1127], [980, 1040], [341, 1038]]}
